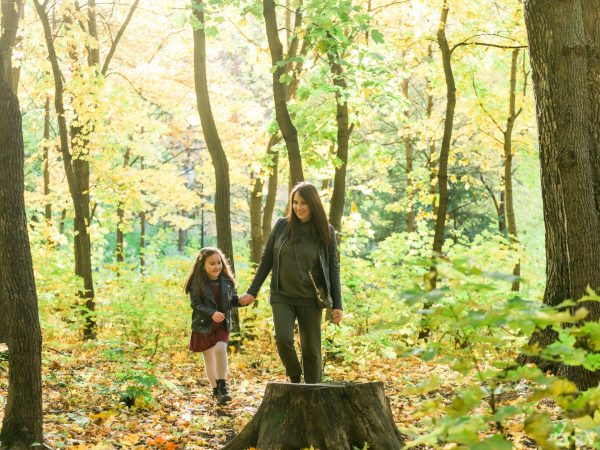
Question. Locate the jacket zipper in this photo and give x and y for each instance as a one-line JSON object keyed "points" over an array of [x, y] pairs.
{"points": [[278, 263]]}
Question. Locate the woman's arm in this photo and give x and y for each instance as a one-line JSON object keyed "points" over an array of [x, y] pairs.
{"points": [[266, 260]]}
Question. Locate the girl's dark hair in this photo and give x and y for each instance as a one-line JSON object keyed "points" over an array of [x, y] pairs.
{"points": [[198, 279], [309, 193]]}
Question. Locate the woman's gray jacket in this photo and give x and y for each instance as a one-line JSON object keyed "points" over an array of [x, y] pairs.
{"points": [[269, 262]]}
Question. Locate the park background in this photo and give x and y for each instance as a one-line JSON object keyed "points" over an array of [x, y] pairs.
{"points": [[416, 121]]}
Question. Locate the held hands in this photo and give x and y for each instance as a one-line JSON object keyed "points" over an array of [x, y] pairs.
{"points": [[218, 317], [337, 316], [246, 299]]}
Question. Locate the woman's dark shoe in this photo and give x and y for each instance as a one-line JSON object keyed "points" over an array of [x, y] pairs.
{"points": [[223, 392], [295, 379]]}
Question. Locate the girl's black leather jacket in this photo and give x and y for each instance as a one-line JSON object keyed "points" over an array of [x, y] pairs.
{"points": [[269, 262], [203, 306]]}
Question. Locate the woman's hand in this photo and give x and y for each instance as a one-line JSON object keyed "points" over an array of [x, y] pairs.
{"points": [[337, 316], [218, 317], [246, 299]]}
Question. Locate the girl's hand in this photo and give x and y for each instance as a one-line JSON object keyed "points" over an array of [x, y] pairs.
{"points": [[246, 299], [337, 316], [218, 317]]}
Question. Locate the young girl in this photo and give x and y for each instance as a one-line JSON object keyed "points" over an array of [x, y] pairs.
{"points": [[211, 287]]}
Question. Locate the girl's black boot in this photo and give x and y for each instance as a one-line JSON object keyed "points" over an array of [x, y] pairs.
{"points": [[218, 396], [222, 387]]}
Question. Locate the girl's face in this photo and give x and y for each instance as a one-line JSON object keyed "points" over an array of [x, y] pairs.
{"points": [[213, 266], [301, 208]]}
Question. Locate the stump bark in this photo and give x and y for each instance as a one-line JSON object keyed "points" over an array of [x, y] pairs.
{"points": [[326, 416]]}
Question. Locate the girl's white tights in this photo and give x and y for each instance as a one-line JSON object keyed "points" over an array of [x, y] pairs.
{"points": [[215, 363]]}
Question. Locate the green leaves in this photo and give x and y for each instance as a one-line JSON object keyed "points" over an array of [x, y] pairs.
{"points": [[496, 442], [377, 36]]}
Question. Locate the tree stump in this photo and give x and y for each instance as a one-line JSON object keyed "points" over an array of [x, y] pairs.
{"points": [[326, 416]]}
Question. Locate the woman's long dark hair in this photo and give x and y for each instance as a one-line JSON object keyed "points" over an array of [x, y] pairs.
{"points": [[309, 193], [198, 279]]}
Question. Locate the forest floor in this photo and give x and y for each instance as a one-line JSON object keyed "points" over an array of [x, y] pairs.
{"points": [[86, 388]]}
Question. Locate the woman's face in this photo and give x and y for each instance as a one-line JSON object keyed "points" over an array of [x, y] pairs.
{"points": [[213, 266], [301, 208]]}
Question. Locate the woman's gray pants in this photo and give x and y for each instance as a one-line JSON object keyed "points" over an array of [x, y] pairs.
{"points": [[309, 326]]}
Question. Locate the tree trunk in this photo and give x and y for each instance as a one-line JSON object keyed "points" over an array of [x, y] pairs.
{"points": [[508, 189], [181, 240], [259, 234], [324, 416], [22, 424], [270, 200], [142, 241], [76, 179], [288, 130], [9, 23], [255, 204], [338, 197], [441, 208], [408, 149], [442, 174], [120, 237], [563, 51], [213, 143], [499, 204], [431, 160], [46, 162], [256, 219]]}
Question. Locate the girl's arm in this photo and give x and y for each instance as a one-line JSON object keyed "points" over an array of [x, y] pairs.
{"points": [[199, 305], [235, 299]]}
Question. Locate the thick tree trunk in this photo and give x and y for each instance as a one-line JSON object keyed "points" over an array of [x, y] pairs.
{"points": [[213, 143], [288, 130], [338, 197], [324, 416], [564, 63], [22, 424], [9, 23]]}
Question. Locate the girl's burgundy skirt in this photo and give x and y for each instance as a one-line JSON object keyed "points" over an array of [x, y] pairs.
{"points": [[200, 342]]}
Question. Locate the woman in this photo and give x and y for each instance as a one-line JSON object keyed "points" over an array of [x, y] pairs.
{"points": [[301, 254]]}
